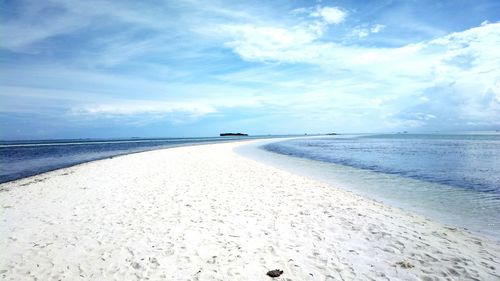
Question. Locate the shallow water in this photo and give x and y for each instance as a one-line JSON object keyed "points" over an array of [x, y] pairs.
{"points": [[466, 161], [476, 208]]}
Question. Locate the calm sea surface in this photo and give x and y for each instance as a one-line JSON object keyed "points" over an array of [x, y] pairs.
{"points": [[466, 161], [453, 177], [19, 159]]}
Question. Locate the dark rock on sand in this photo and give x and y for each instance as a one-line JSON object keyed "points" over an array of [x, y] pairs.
{"points": [[405, 264], [274, 273]]}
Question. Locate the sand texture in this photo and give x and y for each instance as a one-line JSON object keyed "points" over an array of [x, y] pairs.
{"points": [[206, 213]]}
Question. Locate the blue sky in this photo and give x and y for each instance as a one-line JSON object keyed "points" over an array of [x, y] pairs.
{"points": [[72, 69]]}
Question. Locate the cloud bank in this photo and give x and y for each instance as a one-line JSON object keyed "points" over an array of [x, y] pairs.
{"points": [[258, 68], [458, 71]]}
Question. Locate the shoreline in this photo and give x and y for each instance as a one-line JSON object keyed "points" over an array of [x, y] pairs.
{"points": [[393, 190], [205, 212], [63, 166]]}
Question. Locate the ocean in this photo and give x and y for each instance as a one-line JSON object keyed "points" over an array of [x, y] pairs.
{"points": [[454, 178], [19, 159]]}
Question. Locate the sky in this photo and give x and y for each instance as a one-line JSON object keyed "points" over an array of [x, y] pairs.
{"points": [[112, 69]]}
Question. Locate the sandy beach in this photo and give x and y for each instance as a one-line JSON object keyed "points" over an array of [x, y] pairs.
{"points": [[206, 213]]}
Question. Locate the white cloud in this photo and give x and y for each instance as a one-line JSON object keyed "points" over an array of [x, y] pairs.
{"points": [[331, 15], [143, 112], [377, 28], [305, 64], [144, 107], [267, 42], [465, 62], [300, 44], [361, 32], [364, 31]]}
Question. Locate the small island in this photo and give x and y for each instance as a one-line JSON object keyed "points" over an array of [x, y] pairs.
{"points": [[233, 135]]}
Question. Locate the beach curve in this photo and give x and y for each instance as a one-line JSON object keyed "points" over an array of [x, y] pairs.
{"points": [[207, 213]]}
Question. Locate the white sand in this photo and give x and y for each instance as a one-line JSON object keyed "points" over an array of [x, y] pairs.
{"points": [[206, 213]]}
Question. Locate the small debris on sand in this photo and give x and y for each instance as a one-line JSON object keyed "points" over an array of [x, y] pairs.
{"points": [[274, 273], [405, 264]]}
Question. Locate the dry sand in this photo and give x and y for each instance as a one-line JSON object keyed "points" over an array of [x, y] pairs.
{"points": [[206, 213]]}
